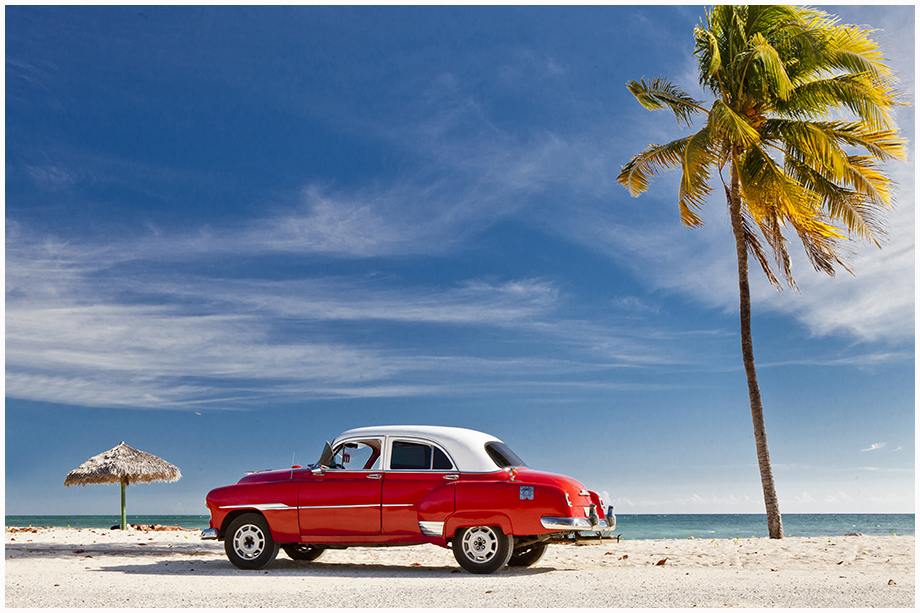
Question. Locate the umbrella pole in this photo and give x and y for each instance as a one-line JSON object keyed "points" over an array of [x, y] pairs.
{"points": [[124, 520]]}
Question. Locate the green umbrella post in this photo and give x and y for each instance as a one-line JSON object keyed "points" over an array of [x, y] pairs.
{"points": [[124, 518]]}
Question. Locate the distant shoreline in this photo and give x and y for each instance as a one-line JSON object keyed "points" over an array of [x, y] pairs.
{"points": [[631, 526]]}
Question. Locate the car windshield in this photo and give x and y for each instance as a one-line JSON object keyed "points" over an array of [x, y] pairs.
{"points": [[502, 455], [326, 456]]}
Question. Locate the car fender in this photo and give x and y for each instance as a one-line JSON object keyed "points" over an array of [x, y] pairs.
{"points": [[275, 501], [469, 519]]}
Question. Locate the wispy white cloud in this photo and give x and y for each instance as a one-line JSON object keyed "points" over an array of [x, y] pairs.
{"points": [[886, 469], [713, 500], [874, 446], [876, 303], [864, 361], [82, 329], [803, 498], [51, 177], [838, 498]]}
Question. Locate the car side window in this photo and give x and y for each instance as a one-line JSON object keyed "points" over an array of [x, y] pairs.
{"points": [[418, 456], [440, 461], [356, 455], [410, 456]]}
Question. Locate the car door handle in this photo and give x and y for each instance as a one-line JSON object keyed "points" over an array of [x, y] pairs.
{"points": [[451, 477], [374, 476]]}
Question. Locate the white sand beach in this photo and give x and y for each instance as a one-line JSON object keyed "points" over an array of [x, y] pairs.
{"points": [[60, 567]]}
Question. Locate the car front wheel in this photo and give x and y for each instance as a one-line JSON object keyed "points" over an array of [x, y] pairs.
{"points": [[249, 543], [483, 549], [305, 553]]}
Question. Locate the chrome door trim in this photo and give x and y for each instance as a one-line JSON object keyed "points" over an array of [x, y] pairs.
{"points": [[353, 506], [341, 506], [271, 506]]}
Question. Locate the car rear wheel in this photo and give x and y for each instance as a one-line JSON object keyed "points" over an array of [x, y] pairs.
{"points": [[249, 543], [528, 555], [305, 553], [483, 549]]}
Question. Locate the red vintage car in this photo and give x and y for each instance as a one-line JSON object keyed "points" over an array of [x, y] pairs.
{"points": [[407, 485]]}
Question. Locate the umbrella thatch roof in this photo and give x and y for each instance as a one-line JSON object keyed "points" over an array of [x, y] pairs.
{"points": [[123, 463]]}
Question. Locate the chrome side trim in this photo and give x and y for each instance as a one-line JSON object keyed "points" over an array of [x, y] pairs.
{"points": [[341, 506], [209, 534], [431, 528], [273, 506], [356, 506], [278, 506]]}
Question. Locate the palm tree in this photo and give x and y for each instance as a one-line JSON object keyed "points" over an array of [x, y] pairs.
{"points": [[780, 76]]}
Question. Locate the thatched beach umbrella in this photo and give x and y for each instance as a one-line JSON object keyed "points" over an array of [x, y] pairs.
{"points": [[124, 465]]}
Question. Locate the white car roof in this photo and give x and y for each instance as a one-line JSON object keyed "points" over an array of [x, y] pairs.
{"points": [[465, 447]]}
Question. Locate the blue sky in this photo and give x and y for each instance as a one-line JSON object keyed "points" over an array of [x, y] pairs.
{"points": [[233, 233]]}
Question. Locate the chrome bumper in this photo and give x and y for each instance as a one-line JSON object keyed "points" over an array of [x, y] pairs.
{"points": [[209, 535], [592, 523]]}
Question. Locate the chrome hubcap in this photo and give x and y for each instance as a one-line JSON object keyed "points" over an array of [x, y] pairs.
{"points": [[480, 544], [249, 542]]}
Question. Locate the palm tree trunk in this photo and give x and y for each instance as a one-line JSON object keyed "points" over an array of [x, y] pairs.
{"points": [[774, 519]]}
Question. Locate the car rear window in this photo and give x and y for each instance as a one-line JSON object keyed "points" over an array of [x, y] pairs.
{"points": [[502, 455]]}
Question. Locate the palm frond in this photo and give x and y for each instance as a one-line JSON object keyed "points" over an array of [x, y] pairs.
{"points": [[799, 36], [853, 209], [639, 171], [869, 181], [822, 250], [696, 161], [660, 93], [858, 93], [731, 125], [772, 74], [756, 250], [882, 143], [853, 50], [808, 141], [707, 52], [793, 204], [764, 182]]}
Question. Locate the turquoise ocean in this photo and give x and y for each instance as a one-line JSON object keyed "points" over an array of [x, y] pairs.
{"points": [[630, 526]]}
